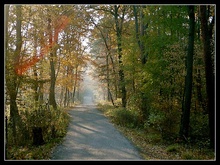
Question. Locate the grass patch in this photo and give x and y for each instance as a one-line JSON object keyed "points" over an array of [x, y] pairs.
{"points": [[188, 155], [173, 148]]}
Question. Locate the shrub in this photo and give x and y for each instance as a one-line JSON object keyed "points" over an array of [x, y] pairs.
{"points": [[166, 123], [173, 148], [188, 155], [153, 138], [52, 122], [125, 117], [198, 130]]}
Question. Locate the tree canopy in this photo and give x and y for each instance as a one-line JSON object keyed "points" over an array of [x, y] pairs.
{"points": [[155, 60]]}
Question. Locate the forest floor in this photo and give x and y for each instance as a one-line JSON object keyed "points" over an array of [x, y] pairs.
{"points": [[154, 149], [162, 151], [149, 147]]}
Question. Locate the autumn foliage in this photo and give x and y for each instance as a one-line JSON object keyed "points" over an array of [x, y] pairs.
{"points": [[22, 65]]}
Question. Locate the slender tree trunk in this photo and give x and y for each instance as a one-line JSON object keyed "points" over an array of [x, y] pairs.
{"points": [[13, 81], [199, 91], [184, 127], [119, 44], [6, 26], [107, 77], [65, 97], [36, 84], [108, 49], [36, 94], [41, 94], [115, 77], [140, 31], [209, 71], [108, 81], [52, 100], [68, 98], [61, 96], [75, 83], [6, 10]]}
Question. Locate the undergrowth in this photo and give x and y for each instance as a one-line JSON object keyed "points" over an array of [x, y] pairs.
{"points": [[151, 143], [54, 126]]}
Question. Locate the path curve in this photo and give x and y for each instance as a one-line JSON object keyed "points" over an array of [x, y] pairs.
{"points": [[91, 136]]}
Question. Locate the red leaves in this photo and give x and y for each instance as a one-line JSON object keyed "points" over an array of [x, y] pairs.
{"points": [[21, 68], [24, 65]]}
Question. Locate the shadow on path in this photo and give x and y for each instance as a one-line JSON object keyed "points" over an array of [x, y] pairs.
{"points": [[91, 136]]}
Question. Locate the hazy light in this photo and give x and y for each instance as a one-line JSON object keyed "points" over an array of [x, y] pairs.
{"points": [[92, 87]]}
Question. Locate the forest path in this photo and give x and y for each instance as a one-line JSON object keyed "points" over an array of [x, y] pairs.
{"points": [[91, 136]]}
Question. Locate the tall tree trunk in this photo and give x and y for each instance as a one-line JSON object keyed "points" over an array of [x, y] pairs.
{"points": [[65, 97], [61, 96], [108, 49], [199, 91], [115, 77], [40, 93], [75, 83], [6, 10], [107, 77], [6, 26], [140, 31], [13, 81], [140, 34], [119, 44], [36, 84], [108, 81], [52, 100], [209, 70], [184, 127], [68, 98]]}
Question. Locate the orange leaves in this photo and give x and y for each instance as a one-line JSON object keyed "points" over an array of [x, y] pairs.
{"points": [[60, 25], [24, 65], [21, 68]]}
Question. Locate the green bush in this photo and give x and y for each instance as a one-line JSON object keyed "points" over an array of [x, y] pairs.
{"points": [[198, 129], [153, 138], [173, 148], [188, 155], [166, 123], [52, 122], [125, 117]]}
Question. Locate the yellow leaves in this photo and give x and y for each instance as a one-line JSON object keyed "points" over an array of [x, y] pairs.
{"points": [[70, 61], [67, 81]]}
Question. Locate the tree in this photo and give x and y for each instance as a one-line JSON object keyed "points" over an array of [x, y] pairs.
{"points": [[140, 32], [207, 34], [118, 15], [184, 127], [106, 37], [119, 26], [52, 100], [12, 79]]}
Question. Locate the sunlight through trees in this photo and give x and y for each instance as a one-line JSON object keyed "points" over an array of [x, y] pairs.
{"points": [[154, 61]]}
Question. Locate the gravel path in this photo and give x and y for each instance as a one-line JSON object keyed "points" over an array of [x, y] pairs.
{"points": [[91, 136]]}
